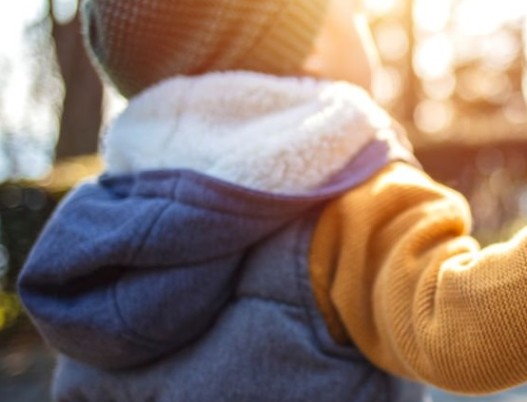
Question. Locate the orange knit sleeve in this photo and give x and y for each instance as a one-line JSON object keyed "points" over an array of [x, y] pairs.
{"points": [[394, 269]]}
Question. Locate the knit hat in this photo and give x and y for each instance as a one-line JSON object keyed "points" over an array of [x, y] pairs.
{"points": [[140, 42]]}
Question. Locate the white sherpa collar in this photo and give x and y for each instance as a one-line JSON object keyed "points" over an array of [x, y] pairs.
{"points": [[284, 135]]}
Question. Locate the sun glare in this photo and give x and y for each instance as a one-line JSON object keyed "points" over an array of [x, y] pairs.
{"points": [[13, 18], [434, 57], [380, 7], [432, 15]]}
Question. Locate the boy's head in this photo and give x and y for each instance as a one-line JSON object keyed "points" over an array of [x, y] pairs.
{"points": [[140, 42]]}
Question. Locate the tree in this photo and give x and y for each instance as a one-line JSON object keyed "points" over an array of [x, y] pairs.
{"points": [[82, 106]]}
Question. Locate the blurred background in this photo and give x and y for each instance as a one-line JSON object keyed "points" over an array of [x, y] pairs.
{"points": [[453, 74]]}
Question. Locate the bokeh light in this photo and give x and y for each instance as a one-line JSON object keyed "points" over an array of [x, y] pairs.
{"points": [[380, 7], [432, 15], [432, 116], [434, 57]]}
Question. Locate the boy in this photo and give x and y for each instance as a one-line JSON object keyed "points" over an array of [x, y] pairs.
{"points": [[262, 232]]}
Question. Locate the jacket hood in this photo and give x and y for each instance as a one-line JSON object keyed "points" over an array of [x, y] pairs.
{"points": [[282, 135]]}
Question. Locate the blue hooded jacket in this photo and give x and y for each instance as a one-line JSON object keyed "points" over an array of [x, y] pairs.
{"points": [[172, 285]]}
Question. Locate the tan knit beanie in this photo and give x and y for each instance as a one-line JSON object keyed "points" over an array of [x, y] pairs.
{"points": [[140, 42]]}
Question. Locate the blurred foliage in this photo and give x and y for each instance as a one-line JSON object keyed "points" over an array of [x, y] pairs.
{"points": [[10, 309], [24, 209]]}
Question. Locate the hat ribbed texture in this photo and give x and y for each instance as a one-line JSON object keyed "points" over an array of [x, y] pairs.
{"points": [[140, 42]]}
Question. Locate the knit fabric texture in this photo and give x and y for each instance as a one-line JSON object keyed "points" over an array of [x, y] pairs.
{"points": [[137, 43], [394, 269]]}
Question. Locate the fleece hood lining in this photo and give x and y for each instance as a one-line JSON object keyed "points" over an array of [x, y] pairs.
{"points": [[274, 134]]}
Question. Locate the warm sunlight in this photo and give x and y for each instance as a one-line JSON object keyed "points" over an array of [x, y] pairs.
{"points": [[432, 51], [432, 15], [380, 7], [480, 17], [212, 149], [464, 49]]}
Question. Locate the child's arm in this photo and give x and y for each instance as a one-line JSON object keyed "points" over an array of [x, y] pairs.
{"points": [[415, 292]]}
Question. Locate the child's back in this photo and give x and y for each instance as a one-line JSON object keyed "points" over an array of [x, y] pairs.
{"points": [[260, 236]]}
